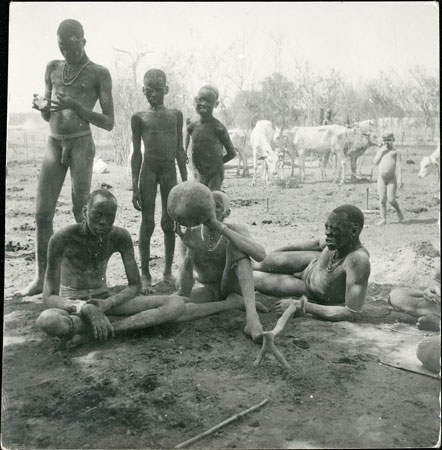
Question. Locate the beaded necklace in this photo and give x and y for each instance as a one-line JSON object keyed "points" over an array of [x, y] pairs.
{"points": [[64, 78]]}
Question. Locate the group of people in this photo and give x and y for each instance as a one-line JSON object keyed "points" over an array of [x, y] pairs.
{"points": [[332, 272]]}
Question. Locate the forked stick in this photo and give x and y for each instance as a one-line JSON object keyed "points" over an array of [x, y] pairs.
{"points": [[268, 344], [220, 425]]}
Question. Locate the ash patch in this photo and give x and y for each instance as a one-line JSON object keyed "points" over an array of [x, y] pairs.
{"points": [[425, 248]]}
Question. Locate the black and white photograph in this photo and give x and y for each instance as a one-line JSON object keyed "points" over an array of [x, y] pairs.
{"points": [[222, 226]]}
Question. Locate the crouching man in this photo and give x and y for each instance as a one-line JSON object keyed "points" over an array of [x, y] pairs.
{"points": [[81, 306]]}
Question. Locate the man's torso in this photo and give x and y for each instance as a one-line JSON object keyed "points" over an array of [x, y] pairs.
{"points": [[207, 147], [85, 89], [159, 131], [85, 258], [387, 165]]}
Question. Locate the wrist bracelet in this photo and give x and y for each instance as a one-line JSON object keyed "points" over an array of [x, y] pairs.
{"points": [[79, 305]]}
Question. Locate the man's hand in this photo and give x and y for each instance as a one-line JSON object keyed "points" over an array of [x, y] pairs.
{"points": [[136, 199], [101, 327], [186, 237], [103, 304], [65, 101], [283, 304]]}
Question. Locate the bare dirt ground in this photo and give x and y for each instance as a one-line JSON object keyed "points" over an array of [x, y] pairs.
{"points": [[162, 386]]}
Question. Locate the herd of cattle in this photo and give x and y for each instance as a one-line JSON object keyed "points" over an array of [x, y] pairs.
{"points": [[272, 147]]}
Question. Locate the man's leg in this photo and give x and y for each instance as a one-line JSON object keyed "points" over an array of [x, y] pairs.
{"points": [[216, 180], [382, 191], [167, 182], [286, 262], [238, 279], [413, 302], [148, 192], [50, 182], [279, 285], [82, 162]]}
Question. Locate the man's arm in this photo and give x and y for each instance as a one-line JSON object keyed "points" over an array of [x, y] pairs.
{"points": [[136, 160], [241, 239], [317, 244], [180, 153], [185, 280], [51, 287], [105, 119], [126, 249], [46, 112], [357, 273], [227, 142]]}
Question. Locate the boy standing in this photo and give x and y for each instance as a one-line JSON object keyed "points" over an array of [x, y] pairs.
{"points": [[209, 138], [388, 159], [161, 131]]}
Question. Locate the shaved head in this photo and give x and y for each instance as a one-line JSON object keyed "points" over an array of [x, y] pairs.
{"points": [[101, 195], [212, 89], [70, 28], [155, 78], [353, 213], [219, 196]]}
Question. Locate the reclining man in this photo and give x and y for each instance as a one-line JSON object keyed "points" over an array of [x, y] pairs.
{"points": [[332, 272], [75, 291]]}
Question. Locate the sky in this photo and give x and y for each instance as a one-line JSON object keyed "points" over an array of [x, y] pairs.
{"points": [[359, 39]]}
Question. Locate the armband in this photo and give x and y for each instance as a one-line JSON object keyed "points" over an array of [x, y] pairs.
{"points": [[78, 305]]}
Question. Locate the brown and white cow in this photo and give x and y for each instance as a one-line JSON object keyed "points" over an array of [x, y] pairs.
{"points": [[241, 141], [261, 140]]}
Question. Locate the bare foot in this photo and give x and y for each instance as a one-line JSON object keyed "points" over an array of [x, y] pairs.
{"points": [[35, 288], [168, 278], [381, 222], [254, 329], [77, 340], [401, 216], [146, 285]]}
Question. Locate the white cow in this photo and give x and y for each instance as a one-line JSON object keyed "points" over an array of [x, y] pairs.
{"points": [[337, 139], [241, 141], [284, 143], [261, 140], [430, 162]]}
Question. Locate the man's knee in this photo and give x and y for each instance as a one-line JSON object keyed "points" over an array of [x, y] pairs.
{"points": [[44, 217], [147, 225], [175, 307], [166, 223], [54, 324]]}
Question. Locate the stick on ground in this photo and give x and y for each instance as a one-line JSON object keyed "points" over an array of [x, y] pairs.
{"points": [[220, 425]]}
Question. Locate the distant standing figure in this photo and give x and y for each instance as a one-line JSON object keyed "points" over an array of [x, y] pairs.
{"points": [[209, 138], [160, 129], [72, 88], [389, 160]]}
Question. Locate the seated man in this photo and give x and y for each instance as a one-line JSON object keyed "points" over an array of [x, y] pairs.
{"points": [[75, 291], [332, 272], [424, 305], [220, 254]]}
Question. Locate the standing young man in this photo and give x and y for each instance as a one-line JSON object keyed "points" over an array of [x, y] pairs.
{"points": [[72, 88]]}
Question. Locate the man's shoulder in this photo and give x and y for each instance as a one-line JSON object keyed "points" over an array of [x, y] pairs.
{"points": [[359, 258], [99, 69], [120, 236], [67, 232], [54, 64]]}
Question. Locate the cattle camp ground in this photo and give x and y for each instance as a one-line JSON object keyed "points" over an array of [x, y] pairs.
{"points": [[159, 387]]}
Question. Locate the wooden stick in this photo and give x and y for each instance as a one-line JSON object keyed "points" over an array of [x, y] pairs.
{"points": [[220, 425], [267, 204], [366, 200], [410, 370]]}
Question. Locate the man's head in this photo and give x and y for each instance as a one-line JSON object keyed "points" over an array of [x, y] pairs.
{"points": [[388, 138], [100, 212], [155, 87], [343, 227], [71, 41], [222, 205], [206, 100]]}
